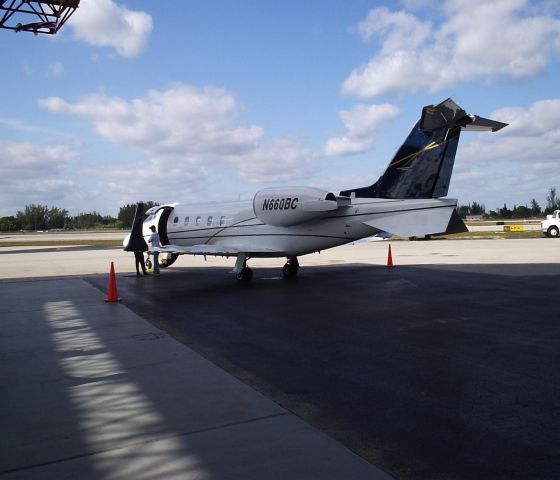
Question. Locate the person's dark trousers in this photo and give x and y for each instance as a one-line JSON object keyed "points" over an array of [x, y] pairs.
{"points": [[139, 257]]}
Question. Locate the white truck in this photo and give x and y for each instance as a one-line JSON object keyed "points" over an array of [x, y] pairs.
{"points": [[551, 226]]}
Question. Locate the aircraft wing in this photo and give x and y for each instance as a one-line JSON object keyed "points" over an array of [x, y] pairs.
{"points": [[218, 250]]}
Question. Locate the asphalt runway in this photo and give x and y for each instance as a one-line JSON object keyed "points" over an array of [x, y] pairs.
{"points": [[428, 372]]}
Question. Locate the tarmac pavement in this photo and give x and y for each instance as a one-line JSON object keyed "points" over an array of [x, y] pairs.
{"points": [[34, 262], [90, 390], [445, 369]]}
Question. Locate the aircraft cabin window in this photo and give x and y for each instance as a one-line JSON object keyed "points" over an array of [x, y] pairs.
{"points": [[209, 222], [186, 221], [222, 221], [176, 220], [197, 221]]}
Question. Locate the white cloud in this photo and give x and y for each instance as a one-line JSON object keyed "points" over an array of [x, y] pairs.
{"points": [[400, 29], [532, 136], [276, 161], [184, 123], [524, 155], [33, 174], [107, 24], [477, 39], [26, 160], [361, 123], [184, 132], [145, 180]]}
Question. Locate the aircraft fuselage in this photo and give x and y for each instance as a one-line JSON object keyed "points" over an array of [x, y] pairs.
{"points": [[235, 226]]}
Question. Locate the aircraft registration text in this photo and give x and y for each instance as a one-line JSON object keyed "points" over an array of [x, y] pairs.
{"points": [[280, 203]]}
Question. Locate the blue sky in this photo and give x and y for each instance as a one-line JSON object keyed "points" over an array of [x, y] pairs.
{"points": [[190, 101]]}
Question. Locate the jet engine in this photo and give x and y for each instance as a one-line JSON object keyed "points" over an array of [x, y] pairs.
{"points": [[283, 207]]}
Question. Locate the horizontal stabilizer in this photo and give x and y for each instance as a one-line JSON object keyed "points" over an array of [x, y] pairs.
{"points": [[481, 124], [413, 223]]}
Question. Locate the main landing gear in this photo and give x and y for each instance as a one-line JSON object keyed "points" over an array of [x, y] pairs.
{"points": [[290, 269], [164, 260], [244, 274]]}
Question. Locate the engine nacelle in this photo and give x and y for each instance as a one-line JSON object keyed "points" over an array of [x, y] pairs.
{"points": [[282, 207]]}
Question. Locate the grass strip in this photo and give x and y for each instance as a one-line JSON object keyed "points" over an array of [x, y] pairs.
{"points": [[63, 243]]}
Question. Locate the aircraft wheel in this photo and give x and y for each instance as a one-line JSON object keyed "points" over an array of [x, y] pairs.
{"points": [[167, 259], [245, 275], [289, 271], [553, 232]]}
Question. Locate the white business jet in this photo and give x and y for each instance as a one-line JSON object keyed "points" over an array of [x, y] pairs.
{"points": [[292, 221]]}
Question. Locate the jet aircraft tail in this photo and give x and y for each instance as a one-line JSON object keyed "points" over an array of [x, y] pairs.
{"points": [[423, 164]]}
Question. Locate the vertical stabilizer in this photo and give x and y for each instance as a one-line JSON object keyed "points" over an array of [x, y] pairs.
{"points": [[423, 164]]}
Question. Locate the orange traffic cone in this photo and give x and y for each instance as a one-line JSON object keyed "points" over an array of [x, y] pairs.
{"points": [[389, 258], [112, 295]]}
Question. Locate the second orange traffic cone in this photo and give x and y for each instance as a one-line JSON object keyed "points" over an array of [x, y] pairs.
{"points": [[112, 295], [389, 258]]}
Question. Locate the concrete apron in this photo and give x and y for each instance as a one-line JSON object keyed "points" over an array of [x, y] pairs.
{"points": [[91, 390]]}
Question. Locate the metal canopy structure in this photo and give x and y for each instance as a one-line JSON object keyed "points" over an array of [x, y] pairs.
{"points": [[37, 16]]}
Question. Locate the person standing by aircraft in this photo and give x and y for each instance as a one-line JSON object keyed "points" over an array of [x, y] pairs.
{"points": [[155, 243], [139, 259]]}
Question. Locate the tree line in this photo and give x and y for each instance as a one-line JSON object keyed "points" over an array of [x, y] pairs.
{"points": [[41, 217], [534, 210]]}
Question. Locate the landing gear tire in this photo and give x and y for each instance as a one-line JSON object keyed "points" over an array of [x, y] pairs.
{"points": [[164, 260], [245, 275], [167, 259], [291, 268]]}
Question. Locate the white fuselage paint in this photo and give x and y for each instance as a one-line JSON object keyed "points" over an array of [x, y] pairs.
{"points": [[235, 226]]}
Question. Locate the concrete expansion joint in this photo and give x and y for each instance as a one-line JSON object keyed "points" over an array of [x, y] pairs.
{"points": [[235, 424], [146, 442]]}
